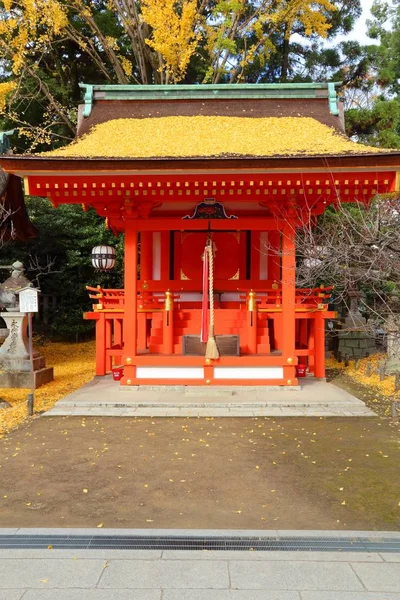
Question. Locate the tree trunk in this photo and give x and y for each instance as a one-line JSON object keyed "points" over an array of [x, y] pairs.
{"points": [[285, 58]]}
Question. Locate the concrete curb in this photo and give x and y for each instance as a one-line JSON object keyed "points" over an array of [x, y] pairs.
{"points": [[273, 533]]}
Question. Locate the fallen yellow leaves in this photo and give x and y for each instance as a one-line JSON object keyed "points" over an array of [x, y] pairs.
{"points": [[211, 136], [74, 365], [385, 387]]}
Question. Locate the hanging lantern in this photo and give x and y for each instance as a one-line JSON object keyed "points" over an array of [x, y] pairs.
{"points": [[103, 258]]}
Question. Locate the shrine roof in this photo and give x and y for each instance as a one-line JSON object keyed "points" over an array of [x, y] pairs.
{"points": [[211, 136], [241, 126], [103, 103]]}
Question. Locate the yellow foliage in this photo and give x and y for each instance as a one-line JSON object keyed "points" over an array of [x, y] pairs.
{"points": [[211, 136], [28, 26], [5, 88], [126, 65], [385, 387], [112, 42], [310, 13], [174, 34], [74, 365]]}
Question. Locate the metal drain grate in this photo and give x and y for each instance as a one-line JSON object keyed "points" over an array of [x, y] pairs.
{"points": [[280, 544]]}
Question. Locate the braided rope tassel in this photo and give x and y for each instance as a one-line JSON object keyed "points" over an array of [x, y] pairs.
{"points": [[211, 348]]}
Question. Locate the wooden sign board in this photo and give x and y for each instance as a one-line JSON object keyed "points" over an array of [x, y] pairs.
{"points": [[29, 300]]}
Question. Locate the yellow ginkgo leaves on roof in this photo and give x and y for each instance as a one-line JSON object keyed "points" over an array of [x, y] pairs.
{"points": [[202, 136]]}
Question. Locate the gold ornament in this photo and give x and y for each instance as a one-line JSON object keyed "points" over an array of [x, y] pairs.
{"points": [[169, 300], [252, 303]]}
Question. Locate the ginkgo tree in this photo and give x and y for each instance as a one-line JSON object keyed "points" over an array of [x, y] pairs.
{"points": [[48, 46]]}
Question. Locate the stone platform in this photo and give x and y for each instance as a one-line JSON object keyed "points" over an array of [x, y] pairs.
{"points": [[314, 398], [22, 379], [15, 364]]}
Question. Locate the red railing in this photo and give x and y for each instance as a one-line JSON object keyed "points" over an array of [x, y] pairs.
{"points": [[109, 299]]}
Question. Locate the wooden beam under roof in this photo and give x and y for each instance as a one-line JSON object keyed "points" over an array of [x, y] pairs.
{"points": [[364, 163]]}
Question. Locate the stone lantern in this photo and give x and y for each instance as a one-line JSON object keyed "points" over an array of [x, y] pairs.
{"points": [[15, 365], [354, 338]]}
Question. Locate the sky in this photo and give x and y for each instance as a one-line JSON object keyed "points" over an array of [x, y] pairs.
{"points": [[358, 32]]}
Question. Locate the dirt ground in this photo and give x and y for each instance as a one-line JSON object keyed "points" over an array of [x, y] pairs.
{"points": [[259, 473]]}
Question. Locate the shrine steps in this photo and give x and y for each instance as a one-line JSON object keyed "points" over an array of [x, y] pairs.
{"points": [[228, 322], [105, 398]]}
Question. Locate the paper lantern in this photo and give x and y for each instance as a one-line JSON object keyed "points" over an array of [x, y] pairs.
{"points": [[103, 258]]}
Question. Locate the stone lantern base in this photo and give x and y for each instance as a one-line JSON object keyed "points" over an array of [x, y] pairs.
{"points": [[356, 344], [14, 356]]}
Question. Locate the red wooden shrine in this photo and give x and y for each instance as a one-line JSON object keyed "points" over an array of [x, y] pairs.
{"points": [[249, 206]]}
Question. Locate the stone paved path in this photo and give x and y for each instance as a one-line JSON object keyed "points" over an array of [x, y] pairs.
{"points": [[198, 575], [104, 397]]}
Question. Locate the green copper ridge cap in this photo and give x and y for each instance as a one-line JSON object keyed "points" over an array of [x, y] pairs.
{"points": [[4, 140], [88, 99], [276, 91], [333, 107]]}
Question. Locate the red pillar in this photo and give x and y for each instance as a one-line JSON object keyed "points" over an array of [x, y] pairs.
{"points": [[289, 301], [274, 258], [319, 366], [130, 315]]}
